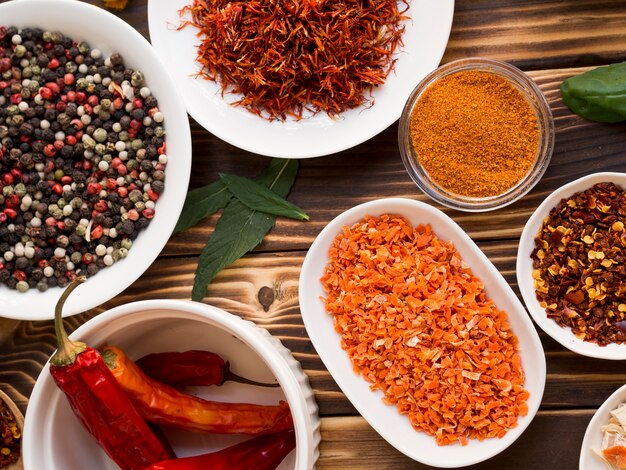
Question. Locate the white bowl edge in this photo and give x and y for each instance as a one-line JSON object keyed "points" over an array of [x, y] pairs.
{"points": [[278, 359], [524, 269], [394, 427]]}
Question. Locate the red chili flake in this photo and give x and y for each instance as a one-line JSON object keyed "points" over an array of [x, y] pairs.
{"points": [[10, 436], [288, 57]]}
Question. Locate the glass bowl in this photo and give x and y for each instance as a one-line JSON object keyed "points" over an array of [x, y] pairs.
{"points": [[533, 95]]}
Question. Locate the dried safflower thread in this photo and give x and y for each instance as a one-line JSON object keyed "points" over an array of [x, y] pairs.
{"points": [[474, 133], [579, 264], [286, 58]]}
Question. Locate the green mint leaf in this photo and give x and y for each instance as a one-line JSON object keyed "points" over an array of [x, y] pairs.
{"points": [[240, 229], [260, 198], [201, 203]]}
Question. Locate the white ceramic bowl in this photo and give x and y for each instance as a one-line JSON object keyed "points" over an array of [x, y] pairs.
{"points": [[55, 440], [108, 33], [525, 269], [593, 435], [425, 40], [386, 420]]}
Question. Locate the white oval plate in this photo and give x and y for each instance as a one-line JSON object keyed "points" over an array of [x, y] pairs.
{"points": [[55, 440], [425, 40], [108, 33], [525, 269], [593, 435], [386, 420]]}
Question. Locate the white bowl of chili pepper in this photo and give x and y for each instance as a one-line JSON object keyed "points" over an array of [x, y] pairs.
{"points": [[103, 129], [153, 331], [570, 265], [393, 292]]}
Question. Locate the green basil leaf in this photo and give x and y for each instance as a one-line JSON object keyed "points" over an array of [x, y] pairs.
{"points": [[202, 202], [240, 229], [259, 197], [599, 94]]}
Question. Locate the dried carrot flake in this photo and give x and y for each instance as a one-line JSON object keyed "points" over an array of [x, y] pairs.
{"points": [[418, 325]]}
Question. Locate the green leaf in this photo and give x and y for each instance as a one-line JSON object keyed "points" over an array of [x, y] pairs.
{"points": [[259, 197], [240, 228], [599, 94], [201, 203]]}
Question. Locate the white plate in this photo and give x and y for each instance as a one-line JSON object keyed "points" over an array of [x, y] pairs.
{"points": [[108, 33], [593, 436], [386, 420], [55, 440], [525, 269], [425, 40]]}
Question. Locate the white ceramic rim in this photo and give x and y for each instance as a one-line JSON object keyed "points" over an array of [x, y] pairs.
{"points": [[475, 258], [319, 135], [106, 284], [593, 435], [524, 269], [248, 332]]}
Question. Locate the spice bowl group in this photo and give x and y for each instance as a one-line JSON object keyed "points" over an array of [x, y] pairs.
{"points": [[476, 134], [393, 426], [54, 438], [72, 220], [580, 249]]}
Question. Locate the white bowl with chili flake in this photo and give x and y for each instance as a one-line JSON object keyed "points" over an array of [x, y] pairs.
{"points": [[526, 281], [55, 440], [393, 426], [106, 32]]}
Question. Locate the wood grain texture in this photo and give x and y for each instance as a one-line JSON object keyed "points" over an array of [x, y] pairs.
{"points": [[552, 441]]}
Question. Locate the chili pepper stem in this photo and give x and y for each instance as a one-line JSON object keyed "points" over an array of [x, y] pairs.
{"points": [[67, 350], [229, 375]]}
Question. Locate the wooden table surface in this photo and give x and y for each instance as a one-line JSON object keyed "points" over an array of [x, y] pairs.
{"points": [[551, 40]]}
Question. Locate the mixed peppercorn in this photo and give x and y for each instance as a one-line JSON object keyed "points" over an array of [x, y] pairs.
{"points": [[82, 158], [579, 264]]}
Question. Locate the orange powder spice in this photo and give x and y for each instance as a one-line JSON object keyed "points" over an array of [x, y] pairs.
{"points": [[474, 133], [418, 325]]}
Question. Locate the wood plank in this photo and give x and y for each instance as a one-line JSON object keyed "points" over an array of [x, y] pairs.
{"points": [[552, 441], [573, 381], [374, 170], [539, 35]]}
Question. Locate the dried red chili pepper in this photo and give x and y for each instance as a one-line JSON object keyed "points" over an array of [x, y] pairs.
{"points": [[189, 368], [161, 404], [259, 453], [99, 402]]}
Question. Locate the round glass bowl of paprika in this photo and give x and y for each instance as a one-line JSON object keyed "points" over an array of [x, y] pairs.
{"points": [[476, 134], [55, 439]]}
